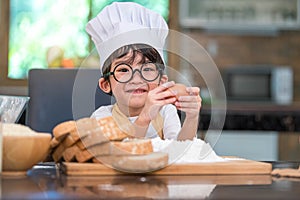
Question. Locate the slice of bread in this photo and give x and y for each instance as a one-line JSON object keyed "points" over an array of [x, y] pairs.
{"points": [[95, 137], [83, 156], [111, 130], [75, 135], [84, 126], [129, 147], [70, 153], [132, 146], [136, 163], [87, 154], [54, 143], [68, 141], [61, 130], [80, 145], [57, 152]]}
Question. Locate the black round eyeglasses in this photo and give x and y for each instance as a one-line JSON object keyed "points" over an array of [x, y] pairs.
{"points": [[123, 73]]}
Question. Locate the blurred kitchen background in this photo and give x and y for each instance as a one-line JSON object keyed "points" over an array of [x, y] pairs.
{"points": [[255, 46]]}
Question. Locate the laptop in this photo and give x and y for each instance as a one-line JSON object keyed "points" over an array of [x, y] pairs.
{"points": [[58, 95]]}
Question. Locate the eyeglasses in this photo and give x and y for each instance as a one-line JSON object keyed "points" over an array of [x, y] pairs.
{"points": [[123, 73]]}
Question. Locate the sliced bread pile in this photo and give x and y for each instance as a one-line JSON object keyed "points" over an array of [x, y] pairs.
{"points": [[101, 141]]}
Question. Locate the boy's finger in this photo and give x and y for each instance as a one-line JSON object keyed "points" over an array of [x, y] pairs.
{"points": [[166, 85]]}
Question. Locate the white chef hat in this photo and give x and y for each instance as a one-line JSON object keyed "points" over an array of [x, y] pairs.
{"points": [[124, 23]]}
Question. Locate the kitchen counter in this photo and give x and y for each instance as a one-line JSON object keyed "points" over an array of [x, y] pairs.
{"points": [[44, 181]]}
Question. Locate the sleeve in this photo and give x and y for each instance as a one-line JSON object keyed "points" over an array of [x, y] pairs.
{"points": [[172, 125]]}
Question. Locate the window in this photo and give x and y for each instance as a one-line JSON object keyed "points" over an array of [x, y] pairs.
{"points": [[47, 33]]}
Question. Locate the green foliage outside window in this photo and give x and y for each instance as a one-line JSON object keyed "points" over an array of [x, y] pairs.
{"points": [[42, 31]]}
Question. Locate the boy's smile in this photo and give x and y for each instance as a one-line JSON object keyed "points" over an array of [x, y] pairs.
{"points": [[137, 90], [130, 97]]}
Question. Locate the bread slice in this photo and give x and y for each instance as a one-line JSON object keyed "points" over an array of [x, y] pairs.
{"points": [[83, 156], [136, 163], [95, 137], [70, 153], [68, 141], [61, 130], [54, 143], [80, 145], [129, 147], [75, 135], [57, 152], [102, 152], [84, 126], [111, 130], [132, 146], [87, 154]]}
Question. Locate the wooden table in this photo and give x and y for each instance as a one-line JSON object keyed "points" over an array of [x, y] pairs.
{"points": [[46, 182]]}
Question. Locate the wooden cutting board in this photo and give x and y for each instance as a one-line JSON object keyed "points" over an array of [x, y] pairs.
{"points": [[234, 167]]}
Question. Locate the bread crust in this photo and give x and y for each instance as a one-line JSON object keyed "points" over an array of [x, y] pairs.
{"points": [[136, 163], [95, 137], [61, 130], [133, 146], [70, 153], [111, 130]]}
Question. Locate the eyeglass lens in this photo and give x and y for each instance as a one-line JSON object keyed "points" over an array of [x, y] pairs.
{"points": [[124, 72]]}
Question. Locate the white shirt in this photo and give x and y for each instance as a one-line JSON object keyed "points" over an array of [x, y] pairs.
{"points": [[172, 124]]}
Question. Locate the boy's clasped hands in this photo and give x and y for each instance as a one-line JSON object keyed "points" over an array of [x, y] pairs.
{"points": [[186, 99]]}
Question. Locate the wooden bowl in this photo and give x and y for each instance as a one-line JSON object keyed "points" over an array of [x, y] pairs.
{"points": [[21, 153]]}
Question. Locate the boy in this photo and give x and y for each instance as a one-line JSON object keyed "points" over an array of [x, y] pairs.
{"points": [[129, 39]]}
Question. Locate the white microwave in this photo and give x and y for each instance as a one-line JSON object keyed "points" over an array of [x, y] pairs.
{"points": [[259, 83]]}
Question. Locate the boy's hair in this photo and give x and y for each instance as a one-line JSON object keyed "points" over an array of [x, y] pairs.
{"points": [[146, 50]]}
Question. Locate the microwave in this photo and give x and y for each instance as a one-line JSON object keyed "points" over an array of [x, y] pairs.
{"points": [[259, 83]]}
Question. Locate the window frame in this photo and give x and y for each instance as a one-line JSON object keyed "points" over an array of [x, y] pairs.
{"points": [[5, 81], [4, 38]]}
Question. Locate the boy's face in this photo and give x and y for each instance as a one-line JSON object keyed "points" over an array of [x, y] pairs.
{"points": [[130, 96]]}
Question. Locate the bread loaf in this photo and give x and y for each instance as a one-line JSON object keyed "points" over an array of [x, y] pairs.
{"points": [[101, 141], [136, 163], [11, 129]]}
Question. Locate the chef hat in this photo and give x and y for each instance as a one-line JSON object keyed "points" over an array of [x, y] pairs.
{"points": [[124, 23]]}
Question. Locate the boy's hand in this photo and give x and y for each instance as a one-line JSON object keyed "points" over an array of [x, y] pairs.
{"points": [[157, 98], [190, 104]]}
